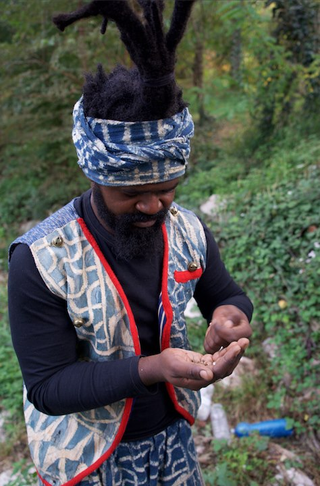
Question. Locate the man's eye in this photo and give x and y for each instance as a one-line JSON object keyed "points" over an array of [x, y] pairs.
{"points": [[168, 191]]}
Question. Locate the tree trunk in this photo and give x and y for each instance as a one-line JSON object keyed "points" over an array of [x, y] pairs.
{"points": [[236, 56], [197, 70]]}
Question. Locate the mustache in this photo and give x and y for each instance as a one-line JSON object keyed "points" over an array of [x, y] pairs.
{"points": [[143, 218]]}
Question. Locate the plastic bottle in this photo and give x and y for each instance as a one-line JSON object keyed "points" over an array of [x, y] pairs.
{"points": [[271, 428], [206, 400], [219, 422]]}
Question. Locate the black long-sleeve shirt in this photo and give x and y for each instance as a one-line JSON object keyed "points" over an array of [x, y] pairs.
{"points": [[46, 343]]}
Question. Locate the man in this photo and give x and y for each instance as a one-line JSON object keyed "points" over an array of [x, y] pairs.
{"points": [[97, 291]]}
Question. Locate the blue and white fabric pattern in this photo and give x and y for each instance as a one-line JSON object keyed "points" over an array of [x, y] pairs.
{"points": [[117, 153], [168, 459], [66, 449]]}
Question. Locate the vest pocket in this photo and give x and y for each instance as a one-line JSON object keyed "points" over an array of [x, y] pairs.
{"points": [[187, 275]]}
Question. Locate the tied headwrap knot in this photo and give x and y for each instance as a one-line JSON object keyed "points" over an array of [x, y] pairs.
{"points": [[118, 153]]}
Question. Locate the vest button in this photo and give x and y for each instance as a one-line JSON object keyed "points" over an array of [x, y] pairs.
{"points": [[192, 266], [78, 322], [173, 211], [58, 241]]}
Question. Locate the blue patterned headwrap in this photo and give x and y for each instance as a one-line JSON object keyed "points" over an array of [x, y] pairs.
{"points": [[117, 153]]}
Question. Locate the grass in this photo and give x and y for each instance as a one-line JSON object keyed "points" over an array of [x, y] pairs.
{"points": [[13, 451]]}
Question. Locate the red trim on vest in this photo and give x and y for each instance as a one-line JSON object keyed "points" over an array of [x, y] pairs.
{"points": [[179, 408], [116, 283], [165, 297], [105, 456], [135, 336], [167, 329], [43, 480], [183, 277]]}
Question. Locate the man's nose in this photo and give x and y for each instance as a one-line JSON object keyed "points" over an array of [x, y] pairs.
{"points": [[149, 204]]}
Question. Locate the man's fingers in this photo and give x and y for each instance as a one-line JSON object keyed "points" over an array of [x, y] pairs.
{"points": [[220, 335], [213, 342], [229, 331], [193, 370], [227, 359], [230, 355], [243, 343], [200, 372], [206, 375]]}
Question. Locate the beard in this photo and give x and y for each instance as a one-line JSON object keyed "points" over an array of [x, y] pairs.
{"points": [[131, 242]]}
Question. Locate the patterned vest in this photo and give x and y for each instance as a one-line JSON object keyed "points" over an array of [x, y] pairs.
{"points": [[67, 448]]}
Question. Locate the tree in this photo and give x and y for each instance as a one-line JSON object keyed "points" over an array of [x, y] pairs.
{"points": [[297, 27], [293, 68], [42, 73]]}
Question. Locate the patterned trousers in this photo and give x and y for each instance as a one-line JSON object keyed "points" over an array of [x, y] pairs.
{"points": [[169, 459]]}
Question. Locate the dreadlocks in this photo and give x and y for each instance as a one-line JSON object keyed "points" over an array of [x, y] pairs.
{"points": [[148, 91]]}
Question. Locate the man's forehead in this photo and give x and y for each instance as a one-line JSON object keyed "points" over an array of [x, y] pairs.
{"points": [[141, 188], [156, 186]]}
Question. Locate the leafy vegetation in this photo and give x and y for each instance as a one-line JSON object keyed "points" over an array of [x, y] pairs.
{"points": [[10, 376], [268, 231], [277, 259], [253, 86]]}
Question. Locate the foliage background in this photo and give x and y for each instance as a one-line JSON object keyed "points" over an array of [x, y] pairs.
{"points": [[250, 70]]}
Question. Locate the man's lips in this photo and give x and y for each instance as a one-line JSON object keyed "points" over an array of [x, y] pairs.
{"points": [[144, 224]]}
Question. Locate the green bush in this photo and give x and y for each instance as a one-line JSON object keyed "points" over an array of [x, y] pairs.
{"points": [[240, 462], [270, 242], [10, 375]]}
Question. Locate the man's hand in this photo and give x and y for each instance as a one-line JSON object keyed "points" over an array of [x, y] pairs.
{"points": [[188, 369], [228, 324]]}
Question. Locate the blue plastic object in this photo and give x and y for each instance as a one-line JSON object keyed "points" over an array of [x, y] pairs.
{"points": [[271, 428]]}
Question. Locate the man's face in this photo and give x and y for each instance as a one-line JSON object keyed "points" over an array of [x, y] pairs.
{"points": [[134, 214]]}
